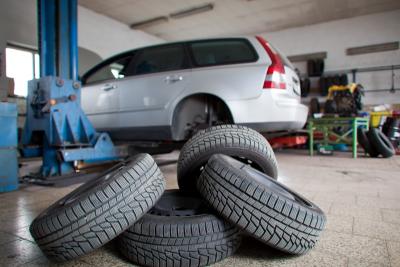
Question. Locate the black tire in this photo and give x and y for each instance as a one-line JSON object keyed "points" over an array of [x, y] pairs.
{"points": [[305, 87], [364, 142], [336, 80], [325, 82], [179, 231], [314, 106], [315, 67], [381, 143], [233, 140], [262, 207], [320, 66], [344, 79], [98, 211]]}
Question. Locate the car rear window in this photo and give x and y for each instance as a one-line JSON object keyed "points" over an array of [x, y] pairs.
{"points": [[159, 59], [218, 52]]}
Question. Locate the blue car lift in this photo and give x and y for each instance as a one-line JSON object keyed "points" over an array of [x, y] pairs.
{"points": [[56, 128]]}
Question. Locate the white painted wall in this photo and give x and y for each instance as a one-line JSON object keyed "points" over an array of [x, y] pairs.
{"points": [[336, 36], [96, 32], [108, 37]]}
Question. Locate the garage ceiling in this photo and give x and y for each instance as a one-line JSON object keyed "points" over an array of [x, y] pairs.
{"points": [[233, 17]]}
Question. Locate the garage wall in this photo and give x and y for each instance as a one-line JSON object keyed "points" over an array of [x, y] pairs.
{"points": [[108, 37], [97, 33], [336, 36]]}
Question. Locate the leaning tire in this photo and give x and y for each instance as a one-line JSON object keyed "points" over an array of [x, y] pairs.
{"points": [[381, 143], [315, 107], [96, 212], [364, 142], [234, 140], [179, 231], [262, 207]]}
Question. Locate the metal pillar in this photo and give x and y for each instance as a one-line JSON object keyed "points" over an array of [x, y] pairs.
{"points": [[58, 42], [55, 120]]}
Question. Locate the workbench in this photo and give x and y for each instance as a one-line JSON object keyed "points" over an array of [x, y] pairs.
{"points": [[329, 128]]}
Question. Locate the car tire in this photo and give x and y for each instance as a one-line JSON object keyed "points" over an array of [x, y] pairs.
{"points": [[315, 107], [98, 211], [305, 87], [261, 206], [180, 230], [234, 140], [365, 143], [381, 143], [344, 79]]}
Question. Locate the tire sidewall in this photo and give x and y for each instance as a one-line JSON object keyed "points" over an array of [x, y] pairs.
{"points": [[381, 143], [266, 165], [99, 184]]}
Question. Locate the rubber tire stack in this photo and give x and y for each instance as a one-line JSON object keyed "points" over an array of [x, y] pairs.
{"points": [[234, 140], [261, 206], [364, 142], [227, 178], [180, 230], [375, 143], [100, 210]]}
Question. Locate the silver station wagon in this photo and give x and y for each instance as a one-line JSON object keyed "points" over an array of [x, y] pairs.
{"points": [[170, 91]]}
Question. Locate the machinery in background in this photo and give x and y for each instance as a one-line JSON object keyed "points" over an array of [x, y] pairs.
{"points": [[344, 105], [56, 127], [326, 81], [344, 100], [8, 147]]}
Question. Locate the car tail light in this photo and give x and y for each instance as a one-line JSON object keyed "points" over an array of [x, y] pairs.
{"points": [[275, 78]]}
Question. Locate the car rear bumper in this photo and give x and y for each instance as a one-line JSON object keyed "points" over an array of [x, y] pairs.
{"points": [[272, 111]]}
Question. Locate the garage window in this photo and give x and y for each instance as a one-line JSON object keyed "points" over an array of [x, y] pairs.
{"points": [[22, 65], [159, 59], [218, 52]]}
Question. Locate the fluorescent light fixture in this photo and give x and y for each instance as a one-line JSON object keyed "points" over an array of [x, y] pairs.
{"points": [[149, 22], [372, 48], [192, 11]]}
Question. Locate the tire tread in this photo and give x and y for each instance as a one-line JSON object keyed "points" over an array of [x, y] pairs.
{"points": [[215, 139], [184, 241], [101, 215], [267, 216]]}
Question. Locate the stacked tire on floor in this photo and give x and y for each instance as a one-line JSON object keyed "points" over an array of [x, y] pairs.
{"points": [[375, 143], [227, 177]]}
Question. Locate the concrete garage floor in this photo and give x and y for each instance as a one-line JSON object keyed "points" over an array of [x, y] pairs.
{"points": [[360, 197]]}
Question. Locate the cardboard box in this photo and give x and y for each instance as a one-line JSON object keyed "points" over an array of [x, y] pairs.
{"points": [[10, 86]]}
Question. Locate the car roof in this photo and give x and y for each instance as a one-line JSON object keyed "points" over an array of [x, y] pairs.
{"points": [[128, 52], [179, 42]]}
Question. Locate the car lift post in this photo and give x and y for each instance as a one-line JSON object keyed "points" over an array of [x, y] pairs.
{"points": [[56, 128]]}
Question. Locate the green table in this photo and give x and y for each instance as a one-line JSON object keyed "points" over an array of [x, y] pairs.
{"points": [[327, 126]]}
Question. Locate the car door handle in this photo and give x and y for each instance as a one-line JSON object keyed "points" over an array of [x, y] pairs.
{"points": [[108, 87], [173, 79]]}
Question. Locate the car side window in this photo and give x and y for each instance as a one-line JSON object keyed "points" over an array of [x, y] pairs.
{"points": [[113, 70], [158, 59], [224, 51]]}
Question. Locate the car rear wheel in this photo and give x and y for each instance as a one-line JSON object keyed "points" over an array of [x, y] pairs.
{"points": [[196, 113]]}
